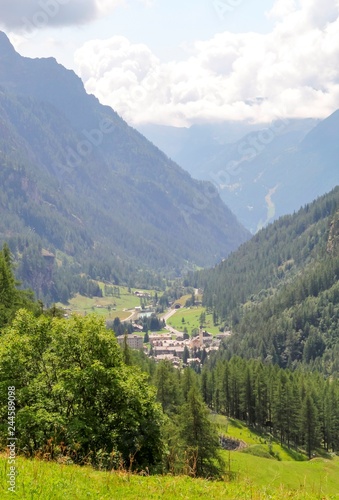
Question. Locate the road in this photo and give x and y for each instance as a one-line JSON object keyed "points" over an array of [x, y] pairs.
{"points": [[133, 316], [166, 316]]}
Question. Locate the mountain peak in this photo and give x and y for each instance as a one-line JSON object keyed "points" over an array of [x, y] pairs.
{"points": [[6, 48], [324, 135]]}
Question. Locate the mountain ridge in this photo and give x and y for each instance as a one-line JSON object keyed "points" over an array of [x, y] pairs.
{"points": [[83, 174], [268, 171]]}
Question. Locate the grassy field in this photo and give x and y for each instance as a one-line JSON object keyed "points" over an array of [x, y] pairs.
{"points": [[267, 464], [109, 307], [257, 479], [318, 477], [192, 320], [257, 444], [121, 307], [253, 477]]}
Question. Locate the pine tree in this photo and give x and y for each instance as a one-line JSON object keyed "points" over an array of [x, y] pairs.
{"points": [[186, 355], [126, 352], [12, 299], [199, 437], [167, 386], [309, 424]]}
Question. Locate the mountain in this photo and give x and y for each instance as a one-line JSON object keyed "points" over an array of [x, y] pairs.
{"points": [[193, 147], [279, 292], [80, 184], [266, 172]]}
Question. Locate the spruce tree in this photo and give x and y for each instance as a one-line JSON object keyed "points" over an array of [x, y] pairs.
{"points": [[309, 424], [199, 437]]}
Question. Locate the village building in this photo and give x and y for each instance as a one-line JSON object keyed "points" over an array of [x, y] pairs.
{"points": [[175, 350], [133, 341], [193, 361], [159, 337]]}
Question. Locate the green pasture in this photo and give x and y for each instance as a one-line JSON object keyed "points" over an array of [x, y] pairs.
{"points": [[250, 474], [192, 320], [109, 306], [256, 479], [258, 444]]}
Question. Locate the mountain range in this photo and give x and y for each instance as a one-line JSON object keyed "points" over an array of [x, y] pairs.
{"points": [[260, 171], [79, 184]]}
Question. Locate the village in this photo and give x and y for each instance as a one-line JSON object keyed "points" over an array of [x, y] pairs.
{"points": [[181, 343], [174, 345]]}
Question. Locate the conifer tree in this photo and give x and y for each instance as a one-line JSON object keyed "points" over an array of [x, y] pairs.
{"points": [[167, 386], [309, 424], [11, 299], [199, 437]]}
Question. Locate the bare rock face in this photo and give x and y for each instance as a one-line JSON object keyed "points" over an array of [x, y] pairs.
{"points": [[231, 444]]}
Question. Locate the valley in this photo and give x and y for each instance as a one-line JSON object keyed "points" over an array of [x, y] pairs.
{"points": [[249, 162], [169, 267]]}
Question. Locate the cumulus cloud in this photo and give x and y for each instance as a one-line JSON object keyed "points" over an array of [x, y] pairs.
{"points": [[293, 71], [26, 15]]}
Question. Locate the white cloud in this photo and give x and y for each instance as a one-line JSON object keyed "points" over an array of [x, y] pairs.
{"points": [[282, 8], [294, 70]]}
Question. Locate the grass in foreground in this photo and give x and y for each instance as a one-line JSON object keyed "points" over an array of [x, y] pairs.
{"points": [[318, 477], [51, 481]]}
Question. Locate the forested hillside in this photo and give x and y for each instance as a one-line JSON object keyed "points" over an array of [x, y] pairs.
{"points": [[279, 292], [79, 398], [78, 183], [12, 299], [300, 409]]}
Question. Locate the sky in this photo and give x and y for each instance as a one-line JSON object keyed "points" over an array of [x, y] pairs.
{"points": [[188, 62]]}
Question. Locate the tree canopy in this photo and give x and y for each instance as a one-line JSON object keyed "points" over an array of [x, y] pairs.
{"points": [[75, 394]]}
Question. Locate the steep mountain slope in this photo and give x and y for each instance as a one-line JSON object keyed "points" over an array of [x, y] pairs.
{"points": [[86, 184], [280, 291], [263, 175], [268, 172], [194, 147]]}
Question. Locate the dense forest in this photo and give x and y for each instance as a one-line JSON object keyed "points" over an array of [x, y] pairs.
{"points": [[279, 292], [299, 407]]}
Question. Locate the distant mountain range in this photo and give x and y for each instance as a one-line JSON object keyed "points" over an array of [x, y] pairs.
{"points": [[80, 184], [261, 172]]}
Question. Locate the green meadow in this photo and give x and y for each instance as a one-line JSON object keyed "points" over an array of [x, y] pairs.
{"points": [[250, 474], [256, 479], [108, 306], [191, 318]]}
